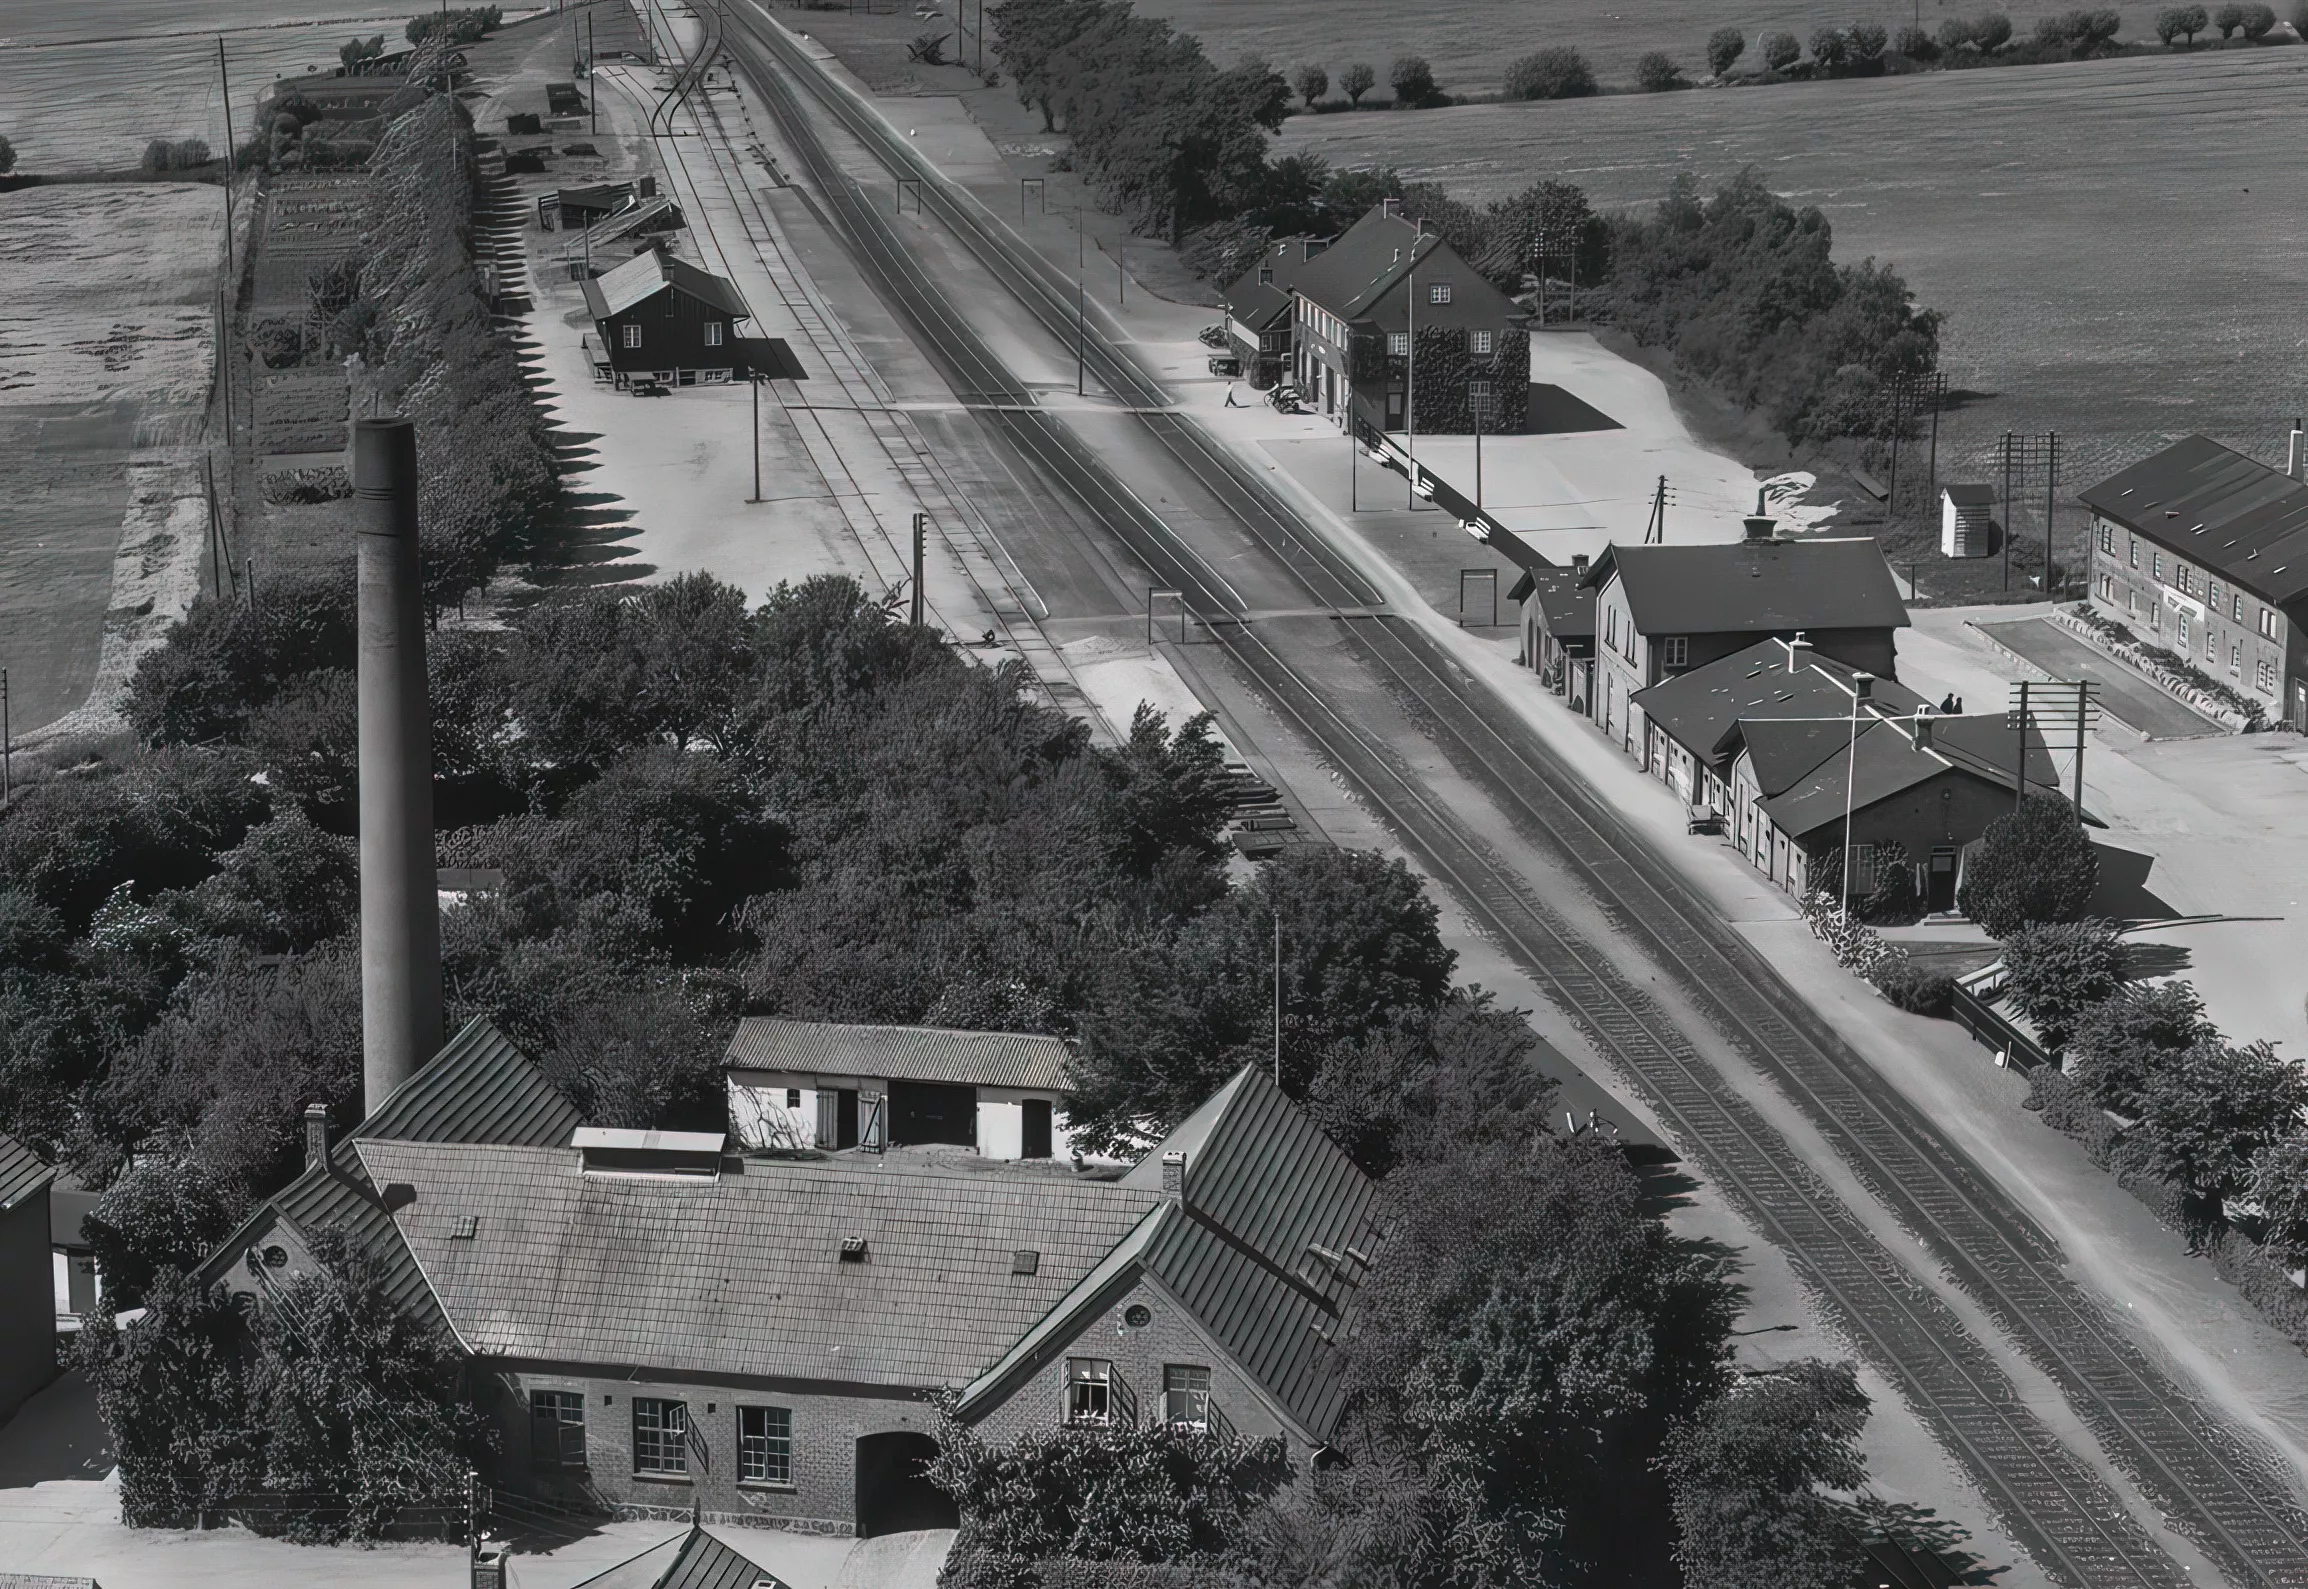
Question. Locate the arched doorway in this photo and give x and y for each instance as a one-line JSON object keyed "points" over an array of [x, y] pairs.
{"points": [[894, 1493]]}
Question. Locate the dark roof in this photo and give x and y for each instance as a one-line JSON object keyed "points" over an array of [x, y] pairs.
{"points": [[1971, 496], [901, 1053], [478, 1089], [1700, 709], [1756, 587], [649, 273], [1263, 1189], [1258, 303], [1565, 604], [695, 1560], [596, 195], [22, 1172], [2215, 507], [1360, 277], [742, 1273], [1801, 767]]}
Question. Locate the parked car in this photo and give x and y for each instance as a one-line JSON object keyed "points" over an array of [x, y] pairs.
{"points": [[650, 389], [1213, 336], [1225, 364]]}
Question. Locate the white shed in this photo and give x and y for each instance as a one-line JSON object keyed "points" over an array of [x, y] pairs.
{"points": [[1966, 521]]}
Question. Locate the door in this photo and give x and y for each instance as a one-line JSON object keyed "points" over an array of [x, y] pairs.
{"points": [[1035, 1134], [894, 1492], [1394, 410], [845, 1118], [1939, 882], [923, 1111]]}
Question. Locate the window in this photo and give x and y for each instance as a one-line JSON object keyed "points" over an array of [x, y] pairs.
{"points": [[2267, 623], [1186, 1394], [2107, 588], [765, 1445], [1398, 343], [2135, 540], [1678, 651], [557, 1428], [1440, 292], [2180, 629], [1611, 627], [793, 1097], [713, 330], [2265, 676], [1479, 400], [2212, 596], [2107, 538], [660, 1437], [632, 335], [2235, 606], [1266, 275], [1478, 342], [1089, 1390], [2235, 659], [2186, 577], [2156, 567]]}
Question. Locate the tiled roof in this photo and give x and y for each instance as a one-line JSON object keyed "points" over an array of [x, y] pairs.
{"points": [[744, 1274], [1357, 277], [1260, 303], [2215, 507], [1699, 709], [1567, 605], [900, 1053], [695, 1560], [1759, 587], [1263, 1189], [22, 1171], [478, 1088]]}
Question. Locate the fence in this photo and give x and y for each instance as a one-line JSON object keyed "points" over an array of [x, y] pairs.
{"points": [[1990, 1029]]}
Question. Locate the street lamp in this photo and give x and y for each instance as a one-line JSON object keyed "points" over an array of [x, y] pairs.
{"points": [[1862, 690]]}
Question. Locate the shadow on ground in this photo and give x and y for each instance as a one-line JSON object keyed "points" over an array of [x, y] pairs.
{"points": [[55, 1435]]}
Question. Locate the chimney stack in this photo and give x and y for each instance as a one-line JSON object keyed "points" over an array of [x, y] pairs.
{"points": [[1579, 565], [316, 1135], [1923, 728], [2292, 459], [1174, 1177], [1759, 524], [400, 910], [1862, 688], [1798, 654]]}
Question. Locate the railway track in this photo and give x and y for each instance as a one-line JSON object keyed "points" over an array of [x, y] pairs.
{"points": [[2233, 1502]]}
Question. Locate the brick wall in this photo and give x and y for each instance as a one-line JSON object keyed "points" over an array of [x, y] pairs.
{"points": [[821, 1498]]}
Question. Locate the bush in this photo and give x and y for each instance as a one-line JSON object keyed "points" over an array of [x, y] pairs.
{"points": [[2299, 18], [1657, 72], [1358, 80], [7, 157], [1830, 49], [2034, 865], [464, 26], [1781, 50], [304, 487], [1556, 72], [173, 1393], [1867, 42], [2280, 1187], [2117, 1044], [1412, 80], [1748, 1475], [1912, 987], [1724, 46], [163, 1214], [1916, 44], [1312, 82], [2213, 1108], [1956, 34], [2055, 971], [162, 156], [1991, 32]]}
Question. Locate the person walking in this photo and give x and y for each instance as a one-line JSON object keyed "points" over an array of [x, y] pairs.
{"points": [[1230, 402]]}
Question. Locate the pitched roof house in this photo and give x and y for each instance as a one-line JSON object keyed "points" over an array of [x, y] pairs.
{"points": [[759, 1336], [1391, 301], [1259, 307], [1558, 619], [659, 318], [2207, 550], [27, 1279]]}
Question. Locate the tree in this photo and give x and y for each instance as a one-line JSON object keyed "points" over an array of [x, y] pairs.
{"points": [[1747, 1474], [1991, 32], [1356, 81], [1657, 72], [165, 1214], [2228, 19], [1830, 48], [2054, 971], [2176, 21], [7, 157], [1781, 50], [2212, 1108], [172, 1388], [1724, 46], [2280, 1187], [2033, 865], [1412, 80], [1957, 34], [2117, 1044], [1312, 82], [1867, 41], [2259, 20], [1916, 44], [1556, 72], [356, 53]]}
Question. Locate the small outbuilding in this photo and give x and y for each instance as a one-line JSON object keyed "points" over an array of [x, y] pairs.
{"points": [[658, 318], [1966, 521], [27, 1285], [1558, 618]]}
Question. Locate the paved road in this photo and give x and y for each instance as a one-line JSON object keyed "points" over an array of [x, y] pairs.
{"points": [[2186, 1462], [2127, 697]]}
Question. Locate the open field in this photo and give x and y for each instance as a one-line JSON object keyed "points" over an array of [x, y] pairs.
{"points": [[1470, 43], [2118, 245]]}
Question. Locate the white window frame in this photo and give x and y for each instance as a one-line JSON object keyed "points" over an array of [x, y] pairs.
{"points": [[1675, 651], [1186, 1394], [1478, 342], [1438, 292], [714, 331], [660, 1437], [630, 335], [551, 1409], [1090, 1391], [765, 1451], [2267, 623], [1398, 344]]}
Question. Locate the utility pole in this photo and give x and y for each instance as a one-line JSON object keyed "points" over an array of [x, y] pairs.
{"points": [[920, 521], [2007, 439], [2019, 777], [592, 87], [1410, 377], [1476, 403], [1278, 991], [224, 80], [755, 383], [1862, 690], [1655, 531], [2051, 482], [1081, 337], [7, 746]]}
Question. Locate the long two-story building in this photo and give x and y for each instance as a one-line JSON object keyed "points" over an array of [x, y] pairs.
{"points": [[2204, 552], [1392, 329]]}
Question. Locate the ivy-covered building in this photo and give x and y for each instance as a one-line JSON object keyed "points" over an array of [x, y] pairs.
{"points": [[1390, 328], [658, 1323]]}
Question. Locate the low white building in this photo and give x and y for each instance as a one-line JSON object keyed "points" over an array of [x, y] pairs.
{"points": [[821, 1084], [1966, 521]]}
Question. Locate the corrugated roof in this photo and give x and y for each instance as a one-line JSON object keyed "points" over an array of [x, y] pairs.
{"points": [[2217, 508], [22, 1171], [901, 1053], [695, 1560], [743, 1274], [650, 272], [1762, 587]]}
